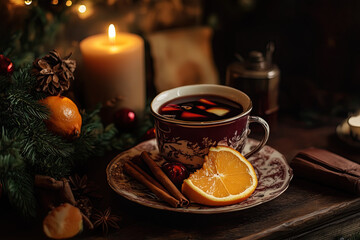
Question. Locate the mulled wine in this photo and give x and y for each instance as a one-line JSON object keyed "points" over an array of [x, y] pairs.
{"points": [[200, 108]]}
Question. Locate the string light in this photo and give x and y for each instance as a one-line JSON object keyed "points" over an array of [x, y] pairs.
{"points": [[28, 2], [68, 3], [55, 2]]}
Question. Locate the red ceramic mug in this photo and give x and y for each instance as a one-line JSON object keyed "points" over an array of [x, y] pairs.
{"points": [[189, 141]]}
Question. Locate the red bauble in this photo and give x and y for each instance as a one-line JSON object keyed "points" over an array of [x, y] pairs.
{"points": [[150, 134], [125, 118], [176, 172], [6, 66]]}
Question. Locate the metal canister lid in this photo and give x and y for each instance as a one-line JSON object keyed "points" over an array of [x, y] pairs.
{"points": [[255, 61]]}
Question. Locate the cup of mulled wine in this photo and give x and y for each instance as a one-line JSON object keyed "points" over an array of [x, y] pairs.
{"points": [[190, 119]]}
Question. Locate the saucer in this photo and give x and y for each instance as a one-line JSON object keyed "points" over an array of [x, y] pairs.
{"points": [[343, 132], [272, 169]]}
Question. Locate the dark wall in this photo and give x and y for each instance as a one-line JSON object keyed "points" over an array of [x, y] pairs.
{"points": [[317, 47]]}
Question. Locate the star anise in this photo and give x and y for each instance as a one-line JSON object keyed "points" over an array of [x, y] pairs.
{"points": [[105, 219], [82, 187]]}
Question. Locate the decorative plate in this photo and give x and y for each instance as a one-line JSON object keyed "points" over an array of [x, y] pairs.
{"points": [[273, 172], [343, 132]]}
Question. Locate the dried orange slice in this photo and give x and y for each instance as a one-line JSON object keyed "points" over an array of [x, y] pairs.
{"points": [[226, 178]]}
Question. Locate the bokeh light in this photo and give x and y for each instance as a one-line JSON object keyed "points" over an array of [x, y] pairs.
{"points": [[68, 3], [82, 8]]}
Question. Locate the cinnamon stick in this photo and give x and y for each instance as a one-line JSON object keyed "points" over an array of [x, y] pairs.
{"points": [[163, 195], [147, 176], [163, 179], [61, 186], [87, 221], [67, 192], [48, 182]]}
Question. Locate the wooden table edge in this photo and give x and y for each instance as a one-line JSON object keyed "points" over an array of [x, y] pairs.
{"points": [[309, 222]]}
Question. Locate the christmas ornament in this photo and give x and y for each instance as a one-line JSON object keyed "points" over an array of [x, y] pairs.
{"points": [[6, 66], [65, 119], [150, 134], [54, 74], [125, 118], [176, 172], [64, 221]]}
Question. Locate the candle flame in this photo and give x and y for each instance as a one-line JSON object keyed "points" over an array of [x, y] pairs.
{"points": [[112, 33]]}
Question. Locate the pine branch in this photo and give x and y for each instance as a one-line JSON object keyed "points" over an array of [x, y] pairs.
{"points": [[10, 157], [4, 83], [18, 185], [24, 108], [38, 140], [53, 166], [91, 117], [8, 163], [22, 79], [123, 142], [18, 106], [94, 139], [104, 140], [16, 181]]}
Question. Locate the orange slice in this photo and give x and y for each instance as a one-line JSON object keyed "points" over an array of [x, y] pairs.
{"points": [[225, 178], [218, 111]]}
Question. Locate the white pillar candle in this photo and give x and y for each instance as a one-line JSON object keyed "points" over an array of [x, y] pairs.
{"points": [[354, 123], [114, 67]]}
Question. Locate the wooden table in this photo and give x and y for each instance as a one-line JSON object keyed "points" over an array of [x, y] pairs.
{"points": [[306, 210]]}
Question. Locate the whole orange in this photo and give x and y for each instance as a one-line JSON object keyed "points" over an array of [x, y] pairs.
{"points": [[65, 119]]}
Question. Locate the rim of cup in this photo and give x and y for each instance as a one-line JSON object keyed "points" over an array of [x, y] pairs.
{"points": [[201, 89]]}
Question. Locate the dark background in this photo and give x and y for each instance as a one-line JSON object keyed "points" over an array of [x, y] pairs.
{"points": [[316, 42], [316, 49]]}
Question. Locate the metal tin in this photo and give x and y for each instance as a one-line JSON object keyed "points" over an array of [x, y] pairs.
{"points": [[259, 79]]}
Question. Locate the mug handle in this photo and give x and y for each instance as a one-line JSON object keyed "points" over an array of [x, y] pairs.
{"points": [[265, 125]]}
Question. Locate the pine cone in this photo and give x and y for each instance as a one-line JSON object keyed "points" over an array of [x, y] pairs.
{"points": [[53, 73]]}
